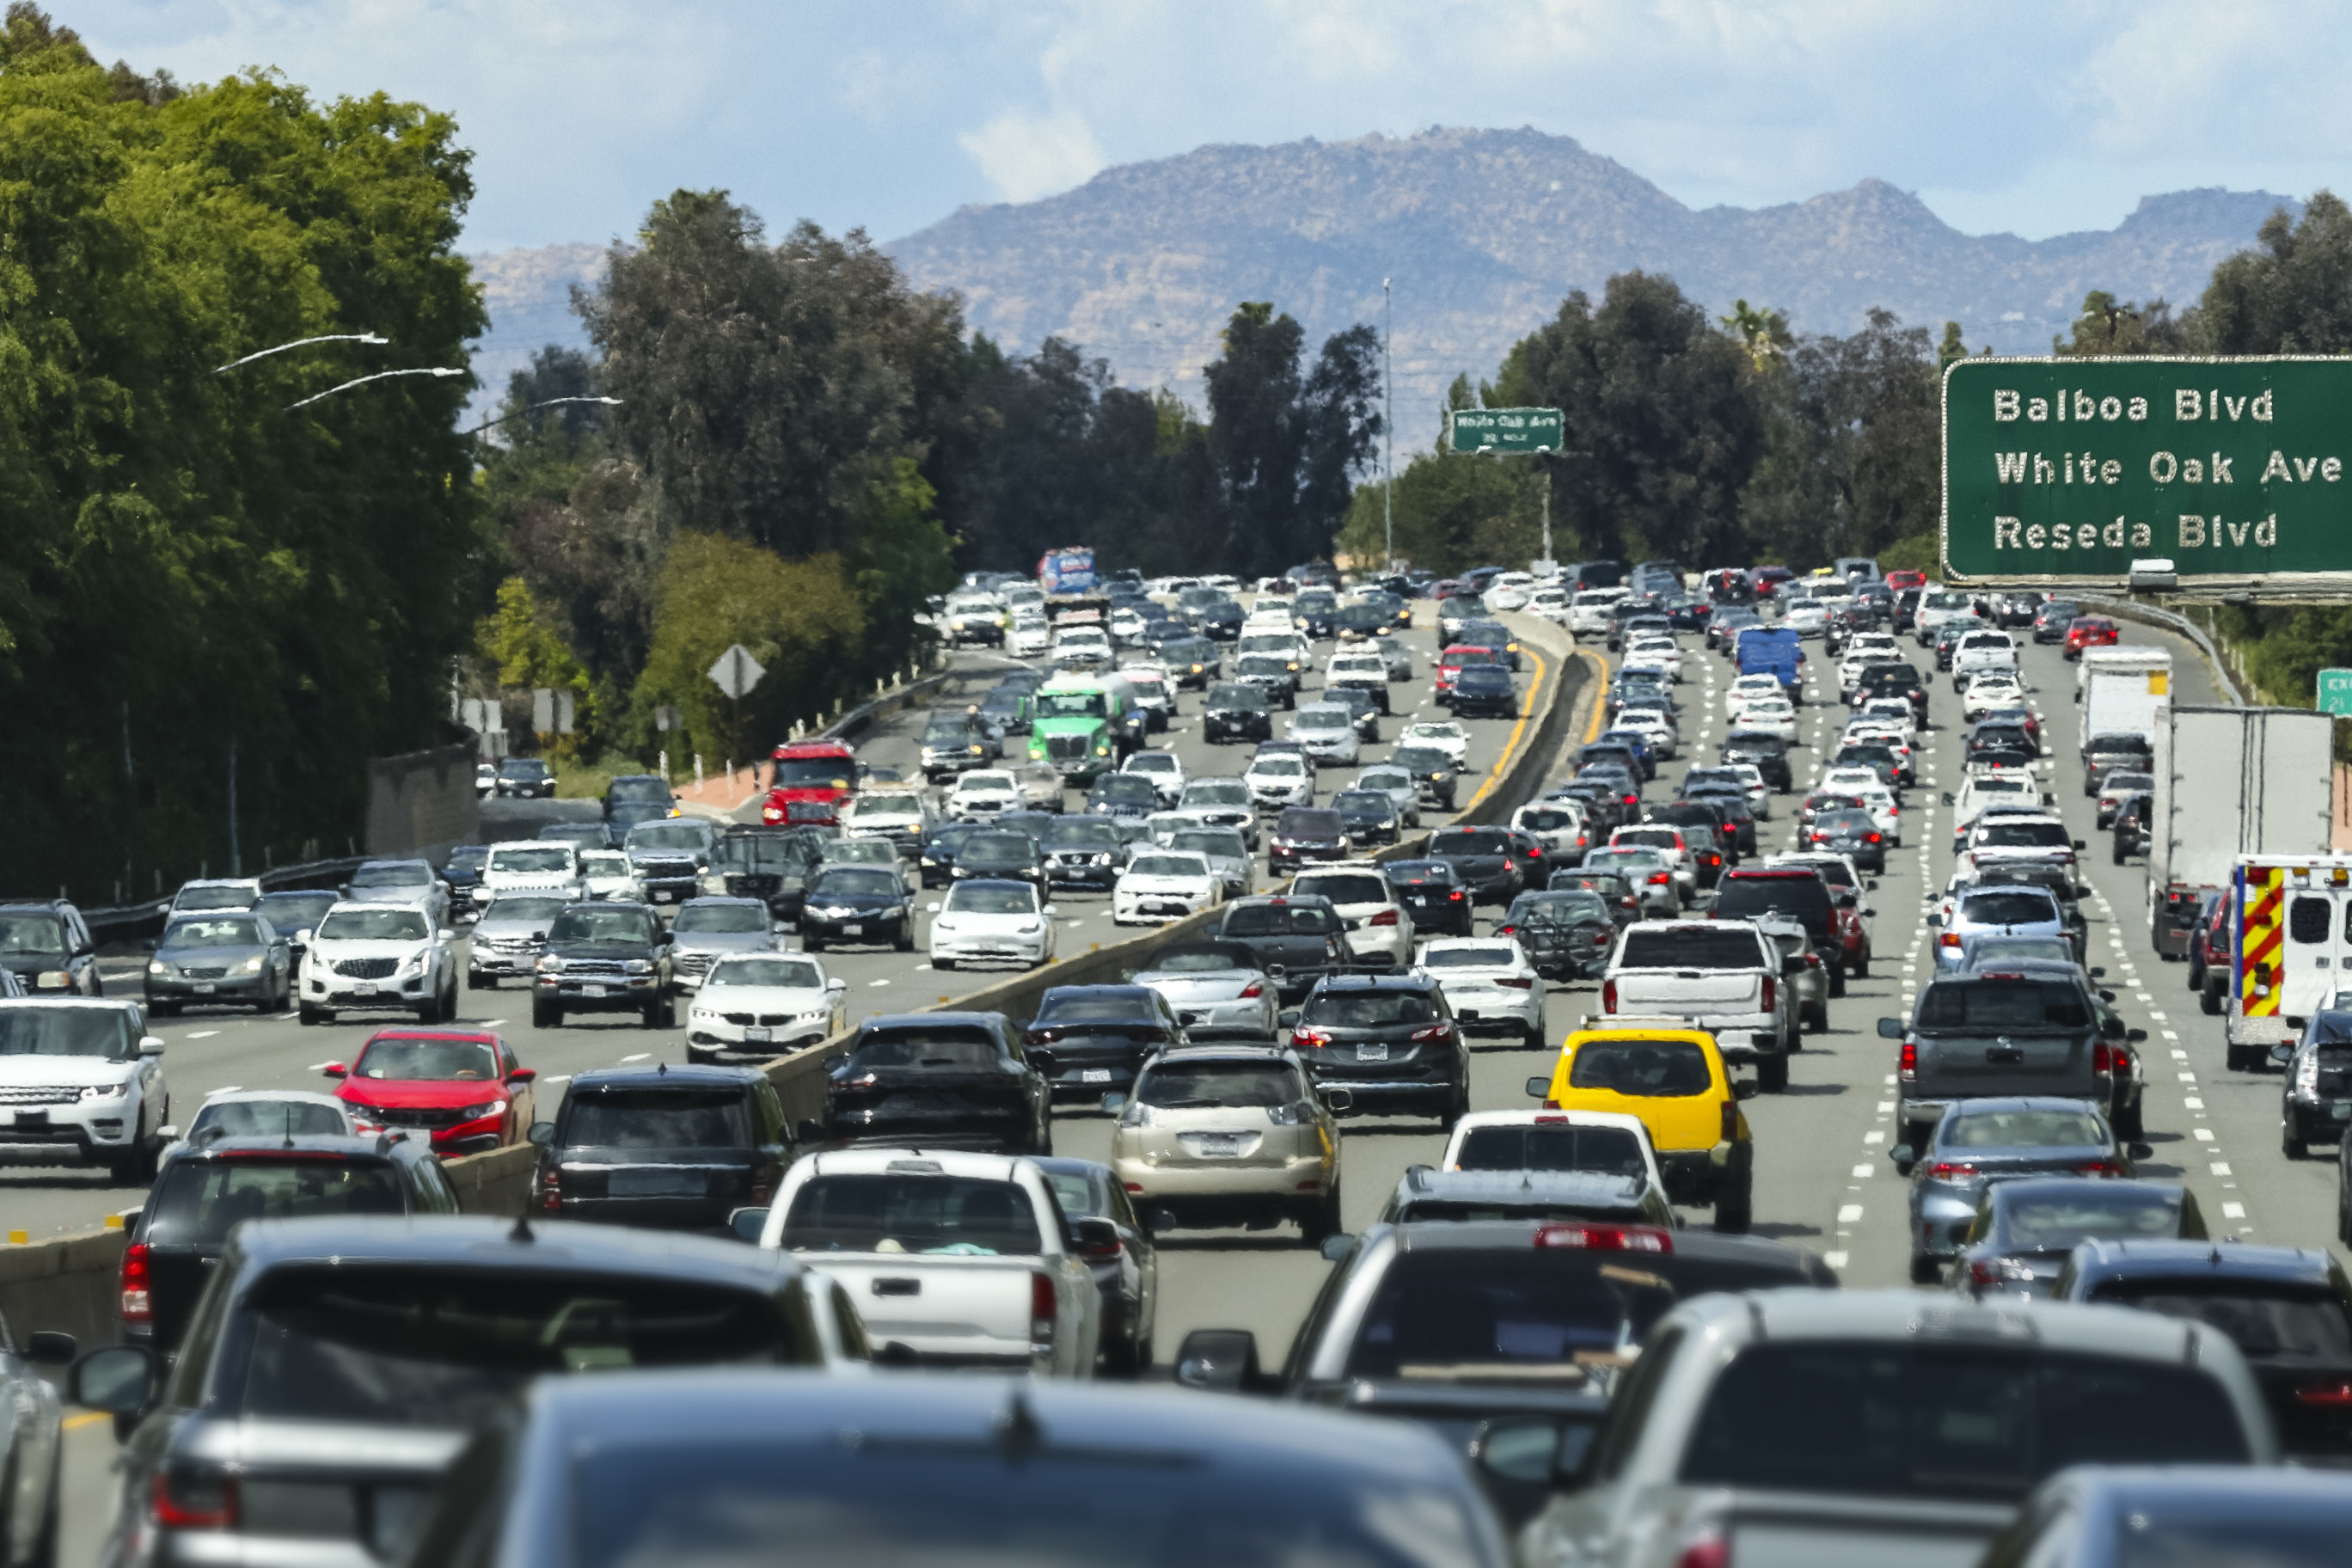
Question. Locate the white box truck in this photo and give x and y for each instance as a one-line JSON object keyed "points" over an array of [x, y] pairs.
{"points": [[2122, 690], [2231, 782]]}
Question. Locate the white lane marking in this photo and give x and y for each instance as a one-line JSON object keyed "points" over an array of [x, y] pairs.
{"points": [[641, 1056], [1873, 1138], [872, 983], [557, 1078], [2219, 1168], [1885, 1106], [1863, 1172], [2180, 1055], [204, 1034], [1834, 1260], [1849, 1213], [2233, 1211], [2193, 1103], [318, 1066], [2187, 1076], [2204, 1134]]}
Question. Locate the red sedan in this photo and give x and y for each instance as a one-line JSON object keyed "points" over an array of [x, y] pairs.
{"points": [[465, 1088], [2089, 631]]}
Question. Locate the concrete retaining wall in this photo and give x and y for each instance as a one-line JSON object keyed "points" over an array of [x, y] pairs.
{"points": [[423, 803], [69, 1282]]}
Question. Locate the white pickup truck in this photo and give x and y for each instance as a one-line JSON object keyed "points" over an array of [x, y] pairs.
{"points": [[953, 1260], [1724, 976]]}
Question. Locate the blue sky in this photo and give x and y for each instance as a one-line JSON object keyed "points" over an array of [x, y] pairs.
{"points": [[2035, 119]]}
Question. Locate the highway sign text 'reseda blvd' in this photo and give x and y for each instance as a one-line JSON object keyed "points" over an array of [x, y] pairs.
{"points": [[2233, 468]]}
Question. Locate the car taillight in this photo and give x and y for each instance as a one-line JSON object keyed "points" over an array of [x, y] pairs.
{"points": [[551, 1190], [1608, 995], [1730, 1120], [1454, 897], [2110, 1166], [1660, 878], [1253, 990], [1385, 918], [1874, 839], [1594, 1237], [1951, 1170], [1772, 992], [1517, 982], [1812, 960], [1309, 1038], [2331, 1393], [1042, 1311], [184, 1497], [1906, 1065], [1949, 939], [2103, 1060], [137, 1306], [1434, 1032]]}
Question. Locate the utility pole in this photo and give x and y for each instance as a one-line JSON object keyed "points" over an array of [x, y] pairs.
{"points": [[235, 865], [1547, 513], [1388, 425]]}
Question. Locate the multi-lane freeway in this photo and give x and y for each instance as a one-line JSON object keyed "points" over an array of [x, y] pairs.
{"points": [[1823, 1178]]}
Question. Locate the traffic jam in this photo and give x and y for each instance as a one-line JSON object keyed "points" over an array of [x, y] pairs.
{"points": [[1821, 1111]]}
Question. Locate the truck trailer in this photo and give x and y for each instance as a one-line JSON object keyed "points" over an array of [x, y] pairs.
{"points": [[2231, 782]]}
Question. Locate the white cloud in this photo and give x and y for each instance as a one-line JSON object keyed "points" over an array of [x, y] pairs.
{"points": [[1027, 155]]}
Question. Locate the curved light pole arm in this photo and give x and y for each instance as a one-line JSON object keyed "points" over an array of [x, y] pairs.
{"points": [[363, 380], [303, 342]]}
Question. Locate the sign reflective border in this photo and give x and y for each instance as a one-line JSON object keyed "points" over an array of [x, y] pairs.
{"points": [[2067, 470], [1503, 429]]}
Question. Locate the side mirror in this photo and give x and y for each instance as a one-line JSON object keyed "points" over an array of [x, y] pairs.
{"points": [[542, 1133], [302, 937], [1905, 1157], [169, 1133], [151, 1045], [2099, 974], [2134, 1035], [1223, 1361], [2106, 995], [1287, 1018], [2141, 1151], [1051, 912], [48, 1347], [837, 986], [1339, 1098], [747, 1223], [2283, 1053], [1114, 1102], [1339, 1249], [522, 1075], [1094, 1234], [1890, 1028], [1744, 1088], [1159, 1222], [1538, 1087], [808, 1130], [332, 1070], [1870, 911], [121, 1380], [1935, 918]]}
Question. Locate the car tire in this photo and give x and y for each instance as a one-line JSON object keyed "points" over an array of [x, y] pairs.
{"points": [[1534, 1037], [651, 1018], [2240, 1058], [905, 941], [943, 965], [1817, 1018], [1772, 1074], [1924, 1271], [1735, 1212], [701, 1056], [812, 944], [546, 1014], [476, 982], [2293, 1147], [164, 1009], [1837, 986], [1322, 1222], [1861, 967]]}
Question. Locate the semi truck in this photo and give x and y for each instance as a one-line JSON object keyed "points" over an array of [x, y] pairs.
{"points": [[2231, 783]]}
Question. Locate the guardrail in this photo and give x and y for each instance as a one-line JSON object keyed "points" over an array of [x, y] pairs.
{"points": [[124, 922]]}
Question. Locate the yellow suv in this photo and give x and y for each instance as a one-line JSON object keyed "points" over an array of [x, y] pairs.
{"points": [[1671, 1079]]}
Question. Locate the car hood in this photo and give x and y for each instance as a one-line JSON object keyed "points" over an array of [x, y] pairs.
{"points": [[336, 951], [415, 1094], [621, 950], [855, 900], [762, 999], [406, 893], [60, 1070], [1135, 883]]}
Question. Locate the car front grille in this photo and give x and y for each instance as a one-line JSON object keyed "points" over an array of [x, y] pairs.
{"points": [[654, 871], [768, 1019], [215, 973], [39, 1095], [693, 962], [409, 1116], [516, 945], [577, 966], [366, 968], [1065, 747]]}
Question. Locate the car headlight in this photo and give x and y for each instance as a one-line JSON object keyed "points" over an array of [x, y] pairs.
{"points": [[251, 966], [638, 967], [811, 1015], [475, 1113], [157, 966], [104, 1090], [701, 1015], [548, 963]]}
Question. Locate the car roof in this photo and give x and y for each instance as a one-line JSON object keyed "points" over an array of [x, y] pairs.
{"points": [[876, 1160], [488, 1242], [1418, 983], [300, 1095], [1226, 1050], [664, 1076], [1524, 1186], [1512, 1234], [376, 1148], [1909, 1317], [720, 898], [2227, 1259], [120, 1003]]}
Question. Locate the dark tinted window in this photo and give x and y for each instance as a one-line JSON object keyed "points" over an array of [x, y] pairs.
{"points": [[1806, 898], [1201, 1085], [1612, 1151], [1080, 834], [1979, 1006], [2016, 908], [1095, 1007], [1693, 947], [920, 1213], [1368, 1009], [637, 790], [657, 1119], [576, 924], [1298, 822], [2307, 919], [2264, 1317], [1470, 841], [1445, 1309], [943, 1047], [1940, 1421], [1280, 919], [199, 1202], [1658, 1069], [2023, 835]]}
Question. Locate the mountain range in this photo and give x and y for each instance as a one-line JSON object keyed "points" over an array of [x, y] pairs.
{"points": [[1482, 233]]}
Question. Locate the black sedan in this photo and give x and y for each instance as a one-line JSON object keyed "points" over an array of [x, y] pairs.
{"points": [[1304, 833], [1487, 860], [1090, 1040], [1126, 1273], [937, 1080], [1236, 711], [857, 904], [1367, 815], [1483, 690], [1433, 893], [2026, 1230], [525, 778], [1000, 853], [675, 1148]]}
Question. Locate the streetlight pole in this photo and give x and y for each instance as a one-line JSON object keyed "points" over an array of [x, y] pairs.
{"points": [[1388, 425], [533, 408], [304, 342], [435, 370]]}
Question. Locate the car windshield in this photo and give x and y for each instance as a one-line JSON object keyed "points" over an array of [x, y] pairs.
{"points": [[199, 1202], [1994, 952], [636, 791], [812, 772], [2021, 1128], [1215, 843], [1129, 788], [1321, 718], [1612, 1151], [215, 931], [856, 882], [1001, 848], [1948, 1419], [421, 1060], [734, 919], [1484, 956], [269, 1118], [2009, 909], [1805, 897], [977, 899], [2087, 1211], [1166, 866], [595, 1117], [908, 1212], [1280, 919], [1470, 841], [1279, 766], [1308, 822], [1071, 705], [577, 924], [393, 874], [1354, 1009], [536, 858], [33, 936], [1648, 1069], [1079, 834], [1996, 1006], [667, 836], [1233, 694], [44, 1031], [448, 1344], [908, 804], [293, 911], [604, 863], [1423, 760], [520, 908], [1202, 1086], [1216, 792], [522, 768], [787, 973], [375, 925]]}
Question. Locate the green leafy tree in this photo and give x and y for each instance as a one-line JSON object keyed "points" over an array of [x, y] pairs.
{"points": [[522, 644], [1455, 511], [901, 553], [1287, 441], [2107, 328], [2290, 295]]}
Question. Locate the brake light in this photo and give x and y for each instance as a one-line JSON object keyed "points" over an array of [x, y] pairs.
{"points": [[1517, 982], [2324, 1393], [2103, 1060], [1385, 918], [2110, 1166], [1042, 1311], [1730, 1120], [1594, 1237], [1906, 1065], [551, 1190], [1812, 960], [1659, 879], [1949, 939], [1309, 1038], [138, 1305], [1454, 897], [1951, 1170], [1772, 992], [1608, 995], [185, 1497], [1434, 1032], [1253, 990]]}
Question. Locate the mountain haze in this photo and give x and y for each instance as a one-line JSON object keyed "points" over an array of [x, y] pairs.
{"points": [[1483, 232]]}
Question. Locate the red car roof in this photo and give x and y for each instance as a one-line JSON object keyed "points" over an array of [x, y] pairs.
{"points": [[799, 750]]}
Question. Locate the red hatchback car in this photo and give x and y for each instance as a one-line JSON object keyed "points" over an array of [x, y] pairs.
{"points": [[2089, 631], [465, 1088]]}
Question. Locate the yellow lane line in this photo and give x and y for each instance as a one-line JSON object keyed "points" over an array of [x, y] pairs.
{"points": [[87, 1418], [1600, 693], [1511, 746]]}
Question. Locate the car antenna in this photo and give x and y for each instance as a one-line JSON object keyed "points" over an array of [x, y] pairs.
{"points": [[521, 1231], [661, 1069], [1018, 1435], [290, 1125]]}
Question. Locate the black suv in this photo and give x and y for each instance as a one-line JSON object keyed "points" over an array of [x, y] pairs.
{"points": [[605, 958], [1433, 773], [1296, 941], [1090, 1040], [206, 1187], [632, 798], [1484, 859], [48, 946], [1766, 751], [951, 1081], [1389, 1040], [526, 778], [1234, 711], [1433, 893], [771, 864], [670, 1147]]}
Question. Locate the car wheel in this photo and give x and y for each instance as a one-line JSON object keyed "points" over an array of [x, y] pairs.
{"points": [[2239, 1058], [2293, 1147], [2211, 1000], [1735, 1211], [942, 964], [546, 1014], [1772, 1074], [1533, 1039], [812, 944], [164, 1009], [1817, 1018], [1861, 967], [479, 983], [1924, 1271], [651, 1018], [1322, 1222], [1837, 983]]}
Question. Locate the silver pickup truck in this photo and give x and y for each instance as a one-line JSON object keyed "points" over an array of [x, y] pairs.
{"points": [[1832, 1429], [1724, 976], [1998, 1034]]}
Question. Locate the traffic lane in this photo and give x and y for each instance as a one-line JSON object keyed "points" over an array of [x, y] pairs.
{"points": [[87, 1482]]}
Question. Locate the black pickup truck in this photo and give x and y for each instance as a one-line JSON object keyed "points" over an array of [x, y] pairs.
{"points": [[771, 864], [2001, 1034]]}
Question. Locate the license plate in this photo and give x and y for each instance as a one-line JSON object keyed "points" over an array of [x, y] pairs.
{"points": [[592, 991], [657, 1184], [662, 896], [853, 930], [758, 1037], [1094, 1075], [364, 988], [1372, 1053], [204, 987], [1468, 1014], [1220, 1145], [32, 1119]]}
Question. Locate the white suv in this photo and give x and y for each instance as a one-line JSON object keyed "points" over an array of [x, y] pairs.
{"points": [[1378, 921], [82, 1072], [532, 866], [379, 955]]}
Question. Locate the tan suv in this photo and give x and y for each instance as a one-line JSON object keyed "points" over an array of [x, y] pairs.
{"points": [[1225, 1135]]}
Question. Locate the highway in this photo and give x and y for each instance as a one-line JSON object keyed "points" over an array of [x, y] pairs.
{"points": [[1822, 1177]]}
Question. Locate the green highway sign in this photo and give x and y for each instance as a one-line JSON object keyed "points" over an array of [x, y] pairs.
{"points": [[1503, 430], [2336, 692], [2060, 470]]}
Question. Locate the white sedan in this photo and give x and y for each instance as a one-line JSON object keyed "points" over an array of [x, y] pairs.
{"points": [[1280, 779], [1750, 689], [991, 921], [984, 794], [1488, 983], [1807, 617], [1864, 784], [1654, 652], [1439, 735], [1164, 769], [1164, 885], [1776, 715], [763, 1003], [1989, 691], [1653, 726]]}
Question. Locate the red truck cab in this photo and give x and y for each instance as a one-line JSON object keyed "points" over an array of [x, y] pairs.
{"points": [[810, 781]]}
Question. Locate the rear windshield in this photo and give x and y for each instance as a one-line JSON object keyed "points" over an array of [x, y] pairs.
{"points": [[1470, 841], [199, 1202], [1439, 1311], [1080, 834], [1280, 919], [2089, 1211], [522, 907], [657, 1119], [1300, 822], [1806, 898], [909, 1212], [281, 1117], [1369, 1009], [2022, 1130], [1650, 1069], [2263, 1318], [2016, 908], [2023, 835], [737, 919], [1992, 1005], [1693, 947], [944, 1049], [1612, 1151], [436, 1345], [1349, 889], [1199, 1086], [1085, 1007]]}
